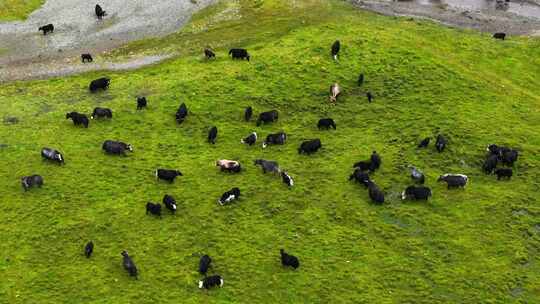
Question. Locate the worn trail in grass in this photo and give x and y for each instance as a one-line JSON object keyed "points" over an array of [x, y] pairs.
{"points": [[479, 245]]}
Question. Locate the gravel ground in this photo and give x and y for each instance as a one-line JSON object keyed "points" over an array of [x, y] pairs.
{"points": [[483, 20], [77, 30], [63, 67], [26, 54]]}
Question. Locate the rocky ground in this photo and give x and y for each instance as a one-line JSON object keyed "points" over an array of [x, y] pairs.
{"points": [[482, 20], [26, 54], [24, 51]]}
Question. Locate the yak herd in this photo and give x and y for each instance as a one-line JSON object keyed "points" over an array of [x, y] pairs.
{"points": [[362, 170]]}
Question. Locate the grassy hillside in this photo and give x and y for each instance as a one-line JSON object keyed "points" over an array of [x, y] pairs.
{"points": [[11, 10], [478, 245]]}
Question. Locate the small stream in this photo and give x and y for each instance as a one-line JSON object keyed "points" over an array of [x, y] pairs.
{"points": [[518, 7]]}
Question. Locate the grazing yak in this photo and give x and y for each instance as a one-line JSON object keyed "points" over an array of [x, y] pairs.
{"points": [[52, 155], [268, 165], [375, 161], [310, 146], [360, 176], [46, 28], [212, 135], [86, 58], [248, 112], [289, 260], [495, 149], [141, 103], [181, 113], [363, 165], [88, 249], [167, 174], [209, 54], [275, 139], [424, 143], [211, 281], [503, 172], [287, 179], [78, 118], [101, 113], [100, 13], [376, 195], [509, 157], [360, 79], [229, 165], [267, 117], [154, 209], [417, 175], [369, 97], [129, 265], [116, 147], [99, 84], [239, 54], [490, 163], [335, 91], [440, 143], [371, 165], [229, 196], [204, 264], [501, 36], [416, 193], [28, 182], [170, 203], [506, 155], [326, 123], [454, 180], [251, 139], [336, 46]]}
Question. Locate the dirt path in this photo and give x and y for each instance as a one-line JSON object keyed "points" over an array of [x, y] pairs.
{"points": [[26, 54], [485, 20], [77, 30], [64, 67]]}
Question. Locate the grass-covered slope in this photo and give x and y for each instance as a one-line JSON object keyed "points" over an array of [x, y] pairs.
{"points": [[11, 10], [478, 245]]}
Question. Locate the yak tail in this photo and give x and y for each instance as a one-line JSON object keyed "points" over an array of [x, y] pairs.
{"points": [[230, 52], [335, 57], [242, 141]]}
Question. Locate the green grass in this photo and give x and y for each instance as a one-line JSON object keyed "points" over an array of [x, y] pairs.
{"points": [[479, 245], [11, 10]]}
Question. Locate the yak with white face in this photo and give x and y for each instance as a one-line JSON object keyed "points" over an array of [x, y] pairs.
{"points": [[211, 281]]}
